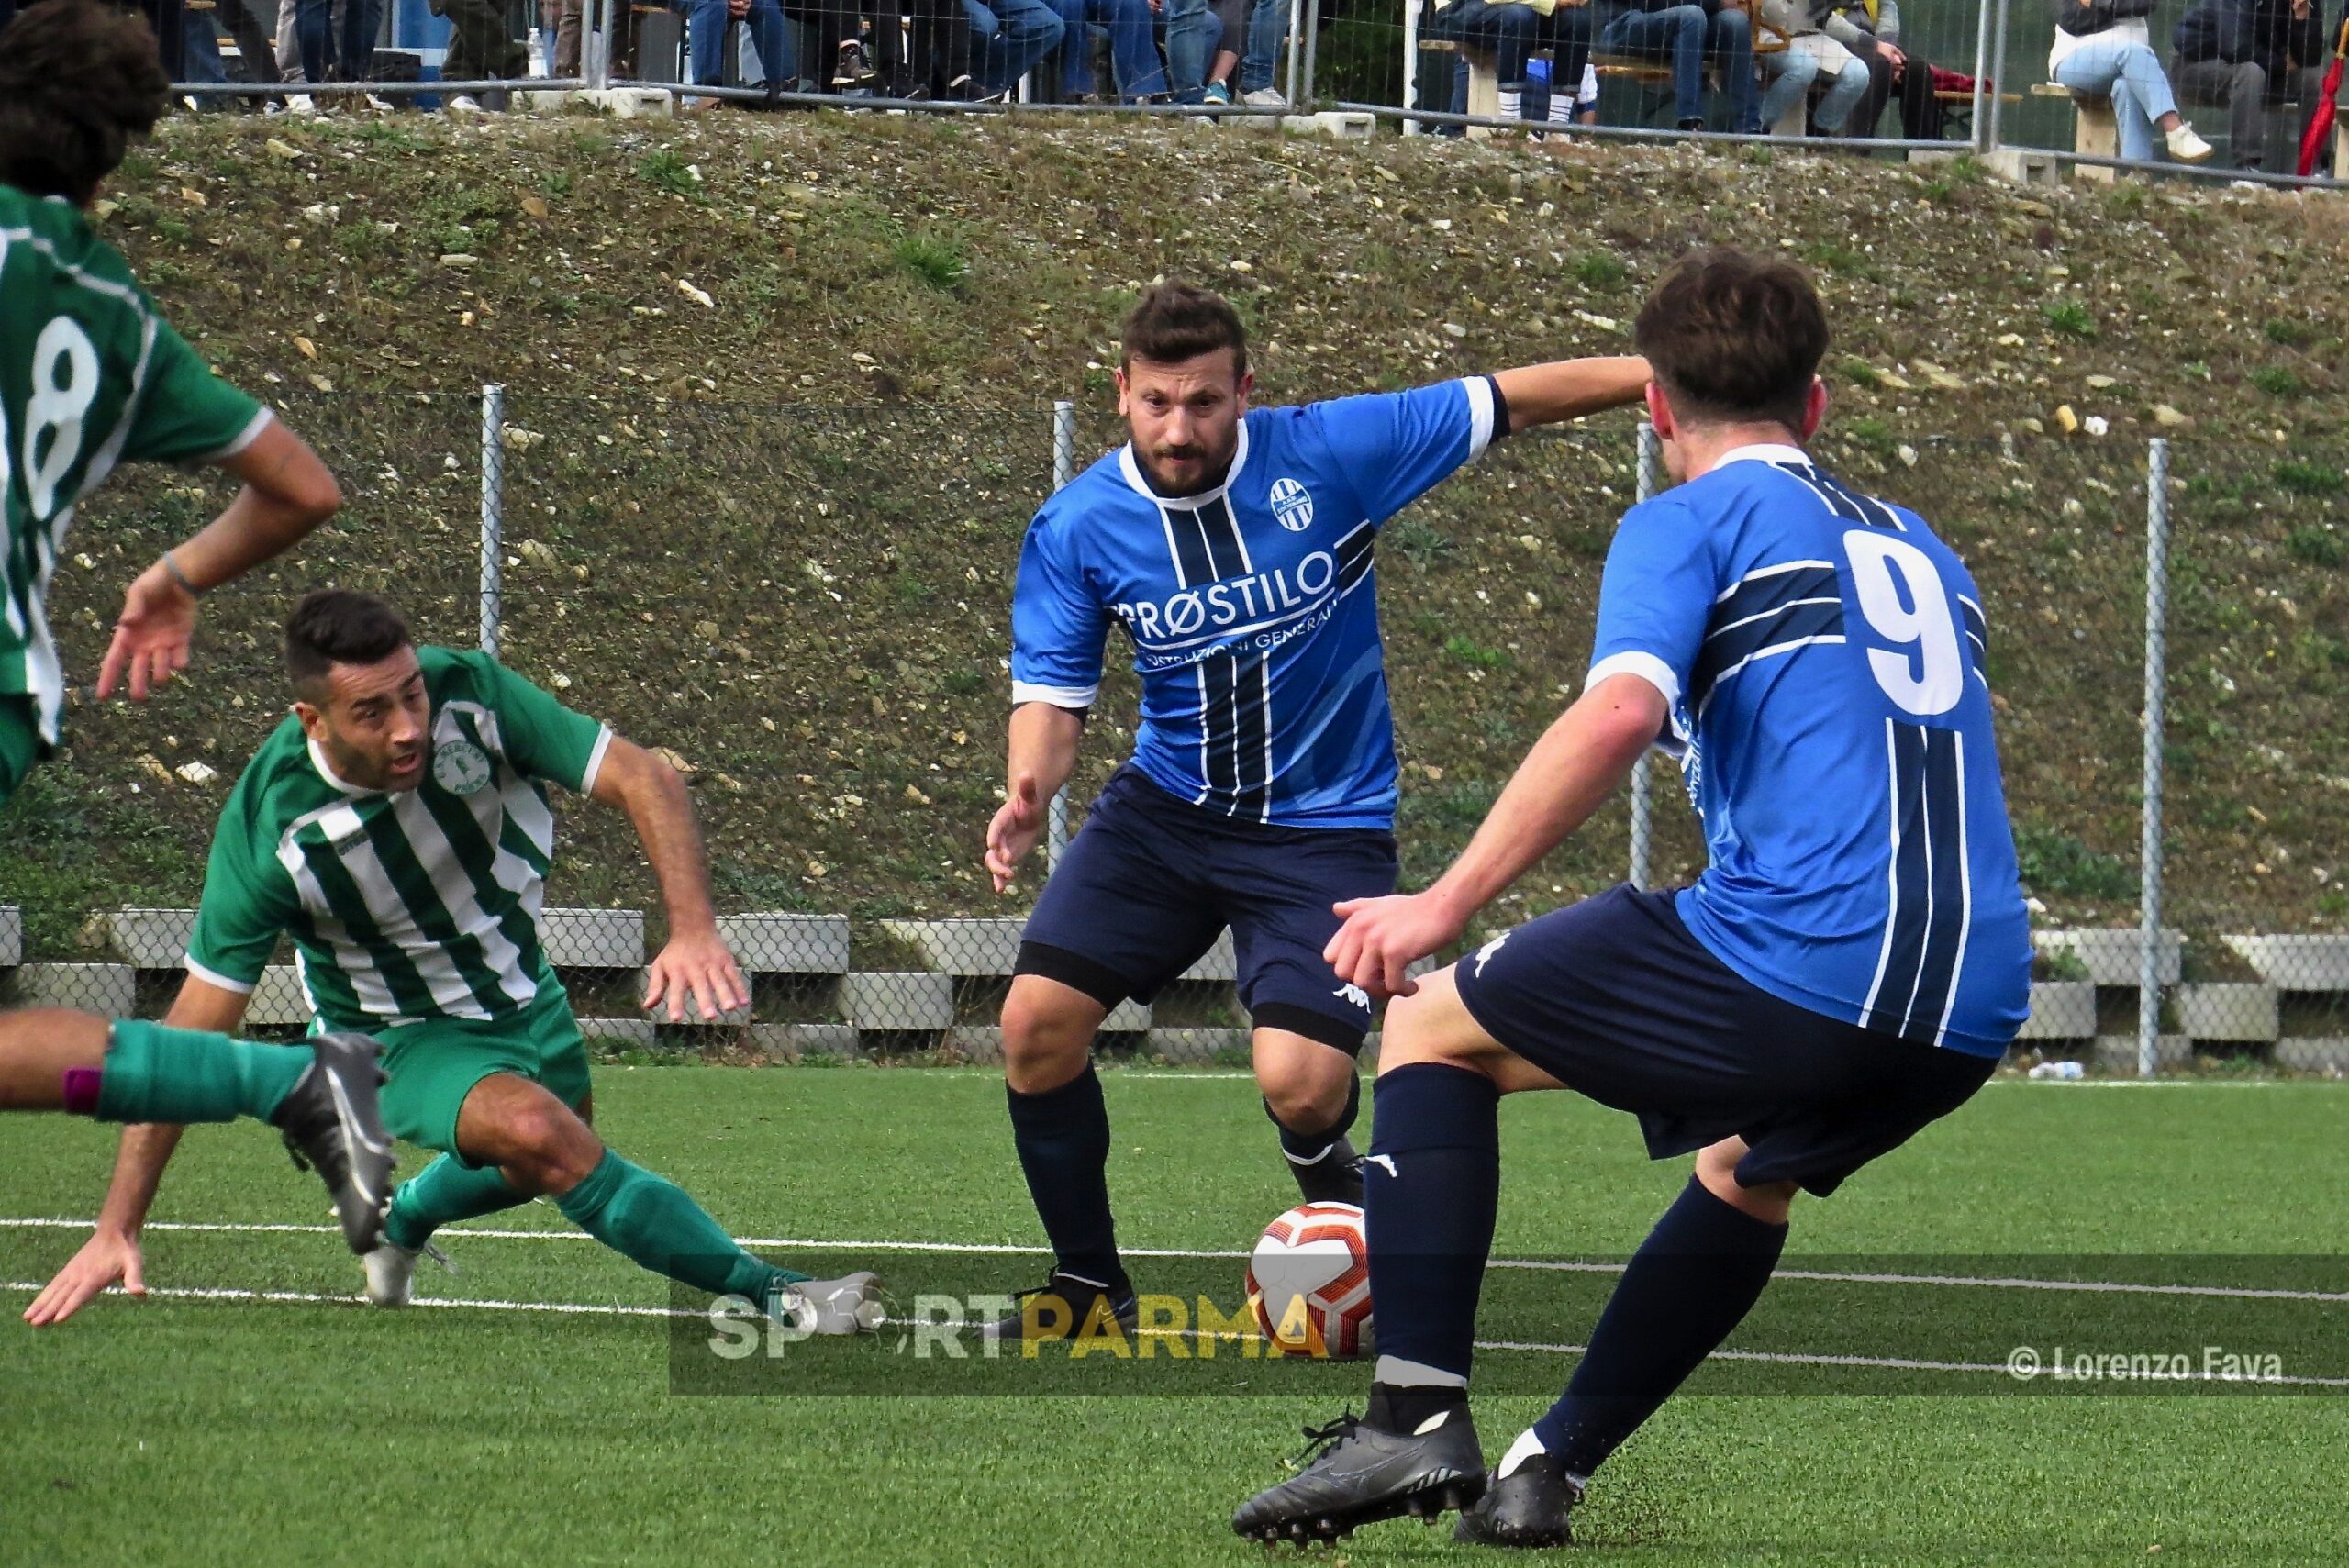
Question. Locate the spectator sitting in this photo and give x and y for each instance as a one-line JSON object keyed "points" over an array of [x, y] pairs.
{"points": [[1134, 50], [2102, 48], [1231, 16], [707, 27], [2248, 55], [1510, 30], [1680, 33], [1013, 35], [482, 47], [1870, 29], [1809, 54], [1193, 31]]}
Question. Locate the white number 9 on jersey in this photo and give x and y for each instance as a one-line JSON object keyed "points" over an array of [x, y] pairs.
{"points": [[1927, 675]]}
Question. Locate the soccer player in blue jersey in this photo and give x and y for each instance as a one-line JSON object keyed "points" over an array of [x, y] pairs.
{"points": [[1850, 966], [1233, 549]]}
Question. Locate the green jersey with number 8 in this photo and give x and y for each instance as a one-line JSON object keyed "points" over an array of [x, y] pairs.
{"points": [[91, 375]]}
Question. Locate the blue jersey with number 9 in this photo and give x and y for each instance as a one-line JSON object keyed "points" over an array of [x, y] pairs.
{"points": [[1823, 656]]}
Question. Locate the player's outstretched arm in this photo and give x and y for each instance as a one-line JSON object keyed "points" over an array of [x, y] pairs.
{"points": [[695, 966], [112, 1251], [287, 492], [1568, 389], [1043, 752], [1573, 768]]}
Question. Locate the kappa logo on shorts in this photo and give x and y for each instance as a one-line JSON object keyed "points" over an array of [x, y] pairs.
{"points": [[461, 768], [1352, 995], [1485, 953], [1292, 505]]}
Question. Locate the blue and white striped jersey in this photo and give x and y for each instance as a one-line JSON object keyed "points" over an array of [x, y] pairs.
{"points": [[1251, 606], [1824, 655]]}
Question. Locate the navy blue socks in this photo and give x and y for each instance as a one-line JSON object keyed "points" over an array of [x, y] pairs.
{"points": [[1063, 1140]]}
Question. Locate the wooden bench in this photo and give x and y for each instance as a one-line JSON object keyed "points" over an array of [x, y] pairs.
{"points": [[2095, 132]]}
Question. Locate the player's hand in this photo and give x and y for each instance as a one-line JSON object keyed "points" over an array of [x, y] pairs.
{"points": [[1017, 825], [106, 1257], [151, 635], [1382, 938], [698, 968]]}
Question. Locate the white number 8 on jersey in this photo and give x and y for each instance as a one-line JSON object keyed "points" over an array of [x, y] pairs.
{"points": [[1927, 675]]}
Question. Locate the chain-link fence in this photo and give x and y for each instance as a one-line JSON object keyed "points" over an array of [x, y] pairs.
{"points": [[805, 610], [1933, 79]]}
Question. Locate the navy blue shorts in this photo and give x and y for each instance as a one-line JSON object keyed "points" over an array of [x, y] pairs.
{"points": [[1150, 881], [1616, 1000]]}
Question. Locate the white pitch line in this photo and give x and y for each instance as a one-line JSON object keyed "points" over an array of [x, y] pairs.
{"points": [[612, 1309], [1551, 1265]]}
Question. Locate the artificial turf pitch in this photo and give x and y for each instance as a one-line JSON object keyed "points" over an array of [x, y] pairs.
{"points": [[189, 1429]]}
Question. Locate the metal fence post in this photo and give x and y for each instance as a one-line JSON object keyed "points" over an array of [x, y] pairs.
{"points": [[1064, 469], [1987, 141], [1643, 488], [1981, 74], [1411, 63], [1296, 61], [1312, 46], [2149, 908], [493, 516], [596, 45]]}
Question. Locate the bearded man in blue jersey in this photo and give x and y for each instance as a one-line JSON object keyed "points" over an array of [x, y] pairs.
{"points": [[1850, 966], [1234, 549]]}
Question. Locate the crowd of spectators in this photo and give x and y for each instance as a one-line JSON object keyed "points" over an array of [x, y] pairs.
{"points": [[1823, 67]]}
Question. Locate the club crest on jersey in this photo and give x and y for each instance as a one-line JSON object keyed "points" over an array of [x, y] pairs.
{"points": [[461, 768], [1292, 505]]}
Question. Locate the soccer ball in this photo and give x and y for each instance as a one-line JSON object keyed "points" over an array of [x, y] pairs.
{"points": [[1308, 1283]]}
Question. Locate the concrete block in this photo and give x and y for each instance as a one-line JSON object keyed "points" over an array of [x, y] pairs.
{"points": [[692, 1019], [12, 935], [1339, 125], [2118, 1052], [1196, 1046], [982, 947], [787, 944], [109, 988], [279, 1000], [628, 1032], [977, 1042], [1127, 1016], [2022, 168], [631, 103], [2296, 964], [2330, 1056], [2061, 1009], [154, 939], [592, 939], [2111, 957], [1218, 963], [789, 1042], [2230, 1012], [882, 1001]]}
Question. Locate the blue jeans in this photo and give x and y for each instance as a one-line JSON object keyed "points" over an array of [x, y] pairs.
{"points": [[2131, 75], [770, 35], [1798, 72], [202, 61], [1133, 48], [1192, 34], [1683, 34], [1267, 26], [1013, 36], [322, 54]]}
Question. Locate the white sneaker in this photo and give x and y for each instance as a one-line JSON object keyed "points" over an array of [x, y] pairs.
{"points": [[382, 105], [391, 1271], [850, 1304], [1264, 98], [465, 104], [301, 103], [2185, 147]]}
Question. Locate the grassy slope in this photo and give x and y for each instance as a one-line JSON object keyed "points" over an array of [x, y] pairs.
{"points": [[496, 1437], [777, 534]]}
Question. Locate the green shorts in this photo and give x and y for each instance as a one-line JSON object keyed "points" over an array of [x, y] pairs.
{"points": [[20, 745], [435, 1063]]}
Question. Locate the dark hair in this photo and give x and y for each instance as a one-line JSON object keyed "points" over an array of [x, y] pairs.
{"points": [[339, 626], [78, 79], [1734, 338], [1176, 321]]}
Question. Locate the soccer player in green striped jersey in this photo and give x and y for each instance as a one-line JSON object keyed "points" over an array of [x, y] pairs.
{"points": [[91, 375], [397, 827]]}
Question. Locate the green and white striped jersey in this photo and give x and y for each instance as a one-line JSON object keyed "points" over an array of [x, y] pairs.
{"points": [[404, 904], [90, 376]]}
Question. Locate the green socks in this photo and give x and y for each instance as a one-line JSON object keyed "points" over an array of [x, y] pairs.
{"points": [[443, 1192], [153, 1074], [652, 1221]]}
